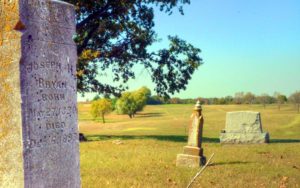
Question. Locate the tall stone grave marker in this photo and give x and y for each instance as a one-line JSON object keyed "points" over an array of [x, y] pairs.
{"points": [[193, 153], [39, 145], [243, 127]]}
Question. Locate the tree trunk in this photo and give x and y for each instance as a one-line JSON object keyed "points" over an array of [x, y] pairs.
{"points": [[103, 120], [130, 115]]}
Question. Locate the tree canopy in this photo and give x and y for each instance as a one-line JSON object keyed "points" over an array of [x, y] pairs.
{"points": [[101, 107], [132, 102], [115, 35], [295, 98]]}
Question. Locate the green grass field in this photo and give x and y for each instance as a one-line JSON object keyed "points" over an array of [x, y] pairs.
{"points": [[141, 152]]}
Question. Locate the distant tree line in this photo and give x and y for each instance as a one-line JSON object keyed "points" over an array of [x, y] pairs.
{"points": [[132, 102], [238, 98]]}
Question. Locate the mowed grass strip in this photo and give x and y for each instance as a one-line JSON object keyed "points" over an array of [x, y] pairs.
{"points": [[144, 154]]}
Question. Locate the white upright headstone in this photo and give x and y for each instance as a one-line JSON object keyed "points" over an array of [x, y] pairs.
{"points": [[243, 127]]}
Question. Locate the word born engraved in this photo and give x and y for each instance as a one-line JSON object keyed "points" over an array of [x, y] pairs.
{"points": [[48, 112], [51, 84], [53, 97]]}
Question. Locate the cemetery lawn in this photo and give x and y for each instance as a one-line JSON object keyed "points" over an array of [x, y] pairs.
{"points": [[141, 152]]}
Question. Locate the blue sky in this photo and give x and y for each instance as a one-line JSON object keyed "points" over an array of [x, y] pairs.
{"points": [[246, 46]]}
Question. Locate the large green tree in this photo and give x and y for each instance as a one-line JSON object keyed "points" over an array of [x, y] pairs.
{"points": [[100, 108], [127, 104], [132, 102], [115, 35]]}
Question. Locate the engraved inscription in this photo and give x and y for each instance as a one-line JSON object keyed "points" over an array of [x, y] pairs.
{"points": [[46, 65], [56, 125], [55, 138], [38, 114], [49, 106], [49, 65], [53, 97], [50, 84]]}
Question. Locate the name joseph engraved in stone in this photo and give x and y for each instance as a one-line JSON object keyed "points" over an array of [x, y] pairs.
{"points": [[51, 65]]}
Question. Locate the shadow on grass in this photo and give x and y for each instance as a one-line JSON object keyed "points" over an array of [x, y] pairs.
{"points": [[173, 138], [229, 163], [277, 141], [148, 115]]}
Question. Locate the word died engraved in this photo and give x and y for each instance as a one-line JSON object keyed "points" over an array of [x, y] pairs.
{"points": [[56, 125]]}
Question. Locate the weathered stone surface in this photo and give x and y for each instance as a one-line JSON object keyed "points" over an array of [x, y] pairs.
{"points": [[191, 161], [195, 131], [11, 161], [39, 143], [193, 153], [243, 127]]}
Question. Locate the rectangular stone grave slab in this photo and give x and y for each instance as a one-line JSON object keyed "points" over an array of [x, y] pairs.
{"points": [[39, 145], [243, 127]]}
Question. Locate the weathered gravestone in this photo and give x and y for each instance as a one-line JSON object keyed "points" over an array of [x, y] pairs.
{"points": [[193, 153], [39, 144], [243, 127]]}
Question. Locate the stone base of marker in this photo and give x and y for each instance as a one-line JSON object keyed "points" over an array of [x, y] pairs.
{"points": [[192, 157], [244, 138]]}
